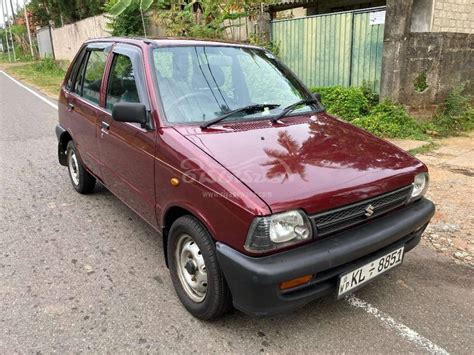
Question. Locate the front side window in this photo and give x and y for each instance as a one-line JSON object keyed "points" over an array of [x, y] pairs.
{"points": [[91, 78], [200, 83], [122, 86]]}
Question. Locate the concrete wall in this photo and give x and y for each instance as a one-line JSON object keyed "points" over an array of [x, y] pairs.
{"points": [[453, 16], [397, 30], [445, 59], [293, 13], [68, 39]]}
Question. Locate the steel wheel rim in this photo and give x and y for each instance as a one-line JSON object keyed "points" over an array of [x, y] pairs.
{"points": [[191, 269], [73, 168]]}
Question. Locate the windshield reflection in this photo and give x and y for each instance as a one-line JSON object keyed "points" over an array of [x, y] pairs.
{"points": [[200, 83]]}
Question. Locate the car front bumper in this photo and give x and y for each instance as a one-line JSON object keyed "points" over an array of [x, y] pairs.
{"points": [[254, 281]]}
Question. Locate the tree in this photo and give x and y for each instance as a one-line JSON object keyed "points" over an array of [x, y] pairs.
{"points": [[63, 11], [128, 23], [203, 18], [120, 6]]}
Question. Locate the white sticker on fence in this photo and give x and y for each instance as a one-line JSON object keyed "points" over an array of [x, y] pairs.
{"points": [[377, 18]]}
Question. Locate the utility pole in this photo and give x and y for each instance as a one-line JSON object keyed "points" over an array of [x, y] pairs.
{"points": [[143, 22], [13, 11], [6, 32], [29, 32], [10, 28]]}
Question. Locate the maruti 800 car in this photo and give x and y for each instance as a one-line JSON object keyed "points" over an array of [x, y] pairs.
{"points": [[263, 200]]}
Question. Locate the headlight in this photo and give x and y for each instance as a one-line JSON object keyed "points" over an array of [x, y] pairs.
{"points": [[278, 231], [420, 185]]}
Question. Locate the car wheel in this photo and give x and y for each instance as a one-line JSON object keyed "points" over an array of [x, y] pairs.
{"points": [[195, 272], [81, 180]]}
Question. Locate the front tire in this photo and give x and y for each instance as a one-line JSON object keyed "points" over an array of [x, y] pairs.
{"points": [[82, 181], [195, 272]]}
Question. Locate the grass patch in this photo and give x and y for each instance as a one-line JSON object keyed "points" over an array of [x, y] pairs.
{"points": [[424, 149], [46, 75]]}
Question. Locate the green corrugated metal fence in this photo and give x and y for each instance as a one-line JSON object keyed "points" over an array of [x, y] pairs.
{"points": [[334, 49]]}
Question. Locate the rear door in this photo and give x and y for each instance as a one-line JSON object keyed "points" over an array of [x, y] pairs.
{"points": [[126, 149], [83, 103]]}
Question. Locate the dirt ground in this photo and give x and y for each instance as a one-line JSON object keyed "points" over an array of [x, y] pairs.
{"points": [[451, 166]]}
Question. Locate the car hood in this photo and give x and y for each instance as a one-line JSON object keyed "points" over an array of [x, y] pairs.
{"points": [[313, 162]]}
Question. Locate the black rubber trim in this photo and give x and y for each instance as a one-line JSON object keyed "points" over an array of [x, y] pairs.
{"points": [[254, 281], [59, 131], [61, 145]]}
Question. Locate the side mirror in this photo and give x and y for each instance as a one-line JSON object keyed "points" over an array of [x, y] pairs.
{"points": [[317, 96], [130, 112]]}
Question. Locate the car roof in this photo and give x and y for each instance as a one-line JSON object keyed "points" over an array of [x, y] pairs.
{"points": [[171, 41]]}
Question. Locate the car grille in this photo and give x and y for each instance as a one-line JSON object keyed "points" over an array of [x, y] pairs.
{"points": [[344, 217]]}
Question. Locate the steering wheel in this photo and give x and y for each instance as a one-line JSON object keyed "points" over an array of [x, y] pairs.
{"points": [[191, 95]]}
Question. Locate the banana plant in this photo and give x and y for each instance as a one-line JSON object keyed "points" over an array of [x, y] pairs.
{"points": [[122, 5]]}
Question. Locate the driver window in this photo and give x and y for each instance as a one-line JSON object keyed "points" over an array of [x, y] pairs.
{"points": [[122, 86]]}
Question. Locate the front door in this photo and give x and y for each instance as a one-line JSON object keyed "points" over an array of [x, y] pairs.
{"points": [[126, 149]]}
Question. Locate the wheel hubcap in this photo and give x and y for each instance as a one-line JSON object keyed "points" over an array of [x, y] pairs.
{"points": [[74, 168], [192, 271]]}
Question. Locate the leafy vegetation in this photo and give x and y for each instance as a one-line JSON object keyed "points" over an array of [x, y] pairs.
{"points": [[20, 40], [456, 115], [191, 18], [391, 120], [63, 11], [128, 21], [46, 74], [420, 82], [360, 106], [203, 20], [348, 103]]}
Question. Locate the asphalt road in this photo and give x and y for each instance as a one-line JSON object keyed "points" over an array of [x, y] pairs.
{"points": [[85, 274]]}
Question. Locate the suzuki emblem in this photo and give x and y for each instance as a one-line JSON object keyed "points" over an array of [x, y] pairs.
{"points": [[369, 210]]}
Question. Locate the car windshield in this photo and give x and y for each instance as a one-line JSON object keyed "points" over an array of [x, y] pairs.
{"points": [[199, 83]]}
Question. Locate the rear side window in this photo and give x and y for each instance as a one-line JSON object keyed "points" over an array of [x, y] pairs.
{"points": [[90, 78], [74, 71], [122, 85]]}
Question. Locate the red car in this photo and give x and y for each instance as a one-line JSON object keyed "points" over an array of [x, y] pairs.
{"points": [[263, 200]]}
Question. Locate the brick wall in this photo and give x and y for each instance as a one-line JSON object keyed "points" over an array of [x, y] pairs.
{"points": [[453, 16]]}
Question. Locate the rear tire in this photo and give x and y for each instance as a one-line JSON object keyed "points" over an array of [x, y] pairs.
{"points": [[195, 272], [82, 181]]}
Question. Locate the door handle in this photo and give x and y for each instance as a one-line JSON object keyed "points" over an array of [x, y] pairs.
{"points": [[105, 126], [70, 106]]}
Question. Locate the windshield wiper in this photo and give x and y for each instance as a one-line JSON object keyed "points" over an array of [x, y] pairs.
{"points": [[293, 107], [248, 109]]}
